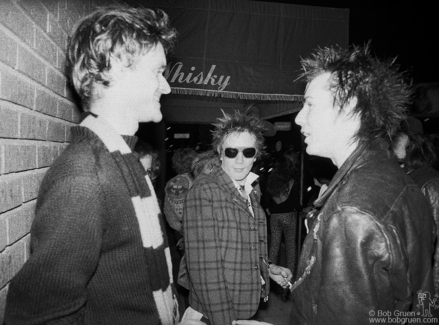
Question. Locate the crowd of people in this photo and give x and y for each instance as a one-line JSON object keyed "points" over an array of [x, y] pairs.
{"points": [[99, 249]]}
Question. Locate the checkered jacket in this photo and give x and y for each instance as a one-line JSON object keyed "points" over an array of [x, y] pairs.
{"points": [[225, 247]]}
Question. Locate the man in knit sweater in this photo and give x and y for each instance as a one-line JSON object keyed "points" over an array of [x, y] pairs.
{"points": [[98, 255]]}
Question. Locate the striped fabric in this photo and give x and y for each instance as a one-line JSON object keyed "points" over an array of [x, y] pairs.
{"points": [[151, 226]]}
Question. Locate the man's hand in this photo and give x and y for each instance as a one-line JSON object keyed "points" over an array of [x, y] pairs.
{"points": [[281, 275], [180, 244]]}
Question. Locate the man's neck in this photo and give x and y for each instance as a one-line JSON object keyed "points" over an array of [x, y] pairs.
{"points": [[117, 118], [342, 155]]}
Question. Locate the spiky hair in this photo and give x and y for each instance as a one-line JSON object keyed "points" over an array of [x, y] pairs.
{"points": [[239, 123], [382, 92]]}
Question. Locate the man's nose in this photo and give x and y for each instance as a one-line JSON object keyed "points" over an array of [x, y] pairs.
{"points": [[239, 157], [300, 117], [164, 86]]}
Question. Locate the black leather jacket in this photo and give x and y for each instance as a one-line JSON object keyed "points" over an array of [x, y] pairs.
{"points": [[370, 247], [427, 179]]}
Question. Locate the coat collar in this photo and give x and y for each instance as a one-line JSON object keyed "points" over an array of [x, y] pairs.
{"points": [[227, 183], [364, 151]]}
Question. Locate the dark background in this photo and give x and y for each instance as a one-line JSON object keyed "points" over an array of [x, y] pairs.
{"points": [[407, 30]]}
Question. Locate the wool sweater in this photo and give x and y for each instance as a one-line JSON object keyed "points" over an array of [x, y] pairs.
{"points": [[87, 262]]}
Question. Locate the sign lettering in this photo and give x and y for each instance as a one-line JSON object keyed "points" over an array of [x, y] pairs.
{"points": [[174, 74]]}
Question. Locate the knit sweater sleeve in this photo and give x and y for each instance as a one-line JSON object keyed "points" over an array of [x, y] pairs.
{"points": [[65, 248]]}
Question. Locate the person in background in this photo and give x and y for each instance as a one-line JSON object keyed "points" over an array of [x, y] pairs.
{"points": [[225, 230], [283, 188], [416, 154], [322, 170], [205, 162], [434, 139], [370, 247], [98, 253], [177, 187], [149, 158], [175, 194]]}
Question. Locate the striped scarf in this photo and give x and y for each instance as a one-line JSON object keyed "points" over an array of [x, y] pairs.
{"points": [[148, 215]]}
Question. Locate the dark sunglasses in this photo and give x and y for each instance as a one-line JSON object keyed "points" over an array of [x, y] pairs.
{"points": [[233, 152]]}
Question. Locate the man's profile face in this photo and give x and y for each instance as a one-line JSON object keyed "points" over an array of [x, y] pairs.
{"points": [[318, 118], [142, 86], [146, 162], [239, 167]]}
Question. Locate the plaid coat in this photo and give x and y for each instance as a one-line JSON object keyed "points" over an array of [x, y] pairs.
{"points": [[225, 247]]}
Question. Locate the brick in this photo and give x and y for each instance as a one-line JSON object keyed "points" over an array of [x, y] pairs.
{"points": [[16, 21], [29, 64], [46, 103], [36, 10], [32, 127], [56, 32], [68, 133], [31, 184], [26, 242], [3, 294], [64, 21], [16, 90], [68, 15], [97, 3], [61, 63], [71, 93], [20, 157], [55, 81], [71, 111], [45, 47], [63, 147], [56, 132], [62, 4], [3, 232], [8, 49], [8, 123], [46, 155], [65, 110], [78, 115], [11, 261], [52, 6], [20, 221], [74, 9], [10, 194]]}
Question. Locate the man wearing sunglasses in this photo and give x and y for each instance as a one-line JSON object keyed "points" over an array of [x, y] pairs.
{"points": [[225, 229]]}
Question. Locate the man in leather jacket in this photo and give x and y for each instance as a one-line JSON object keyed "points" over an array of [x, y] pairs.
{"points": [[369, 249], [417, 154]]}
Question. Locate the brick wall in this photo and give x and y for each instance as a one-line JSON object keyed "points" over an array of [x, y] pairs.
{"points": [[36, 113]]}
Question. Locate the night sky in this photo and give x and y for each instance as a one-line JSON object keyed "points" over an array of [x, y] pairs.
{"points": [[407, 30]]}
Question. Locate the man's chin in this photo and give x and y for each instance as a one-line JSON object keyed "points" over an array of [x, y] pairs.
{"points": [[156, 118]]}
